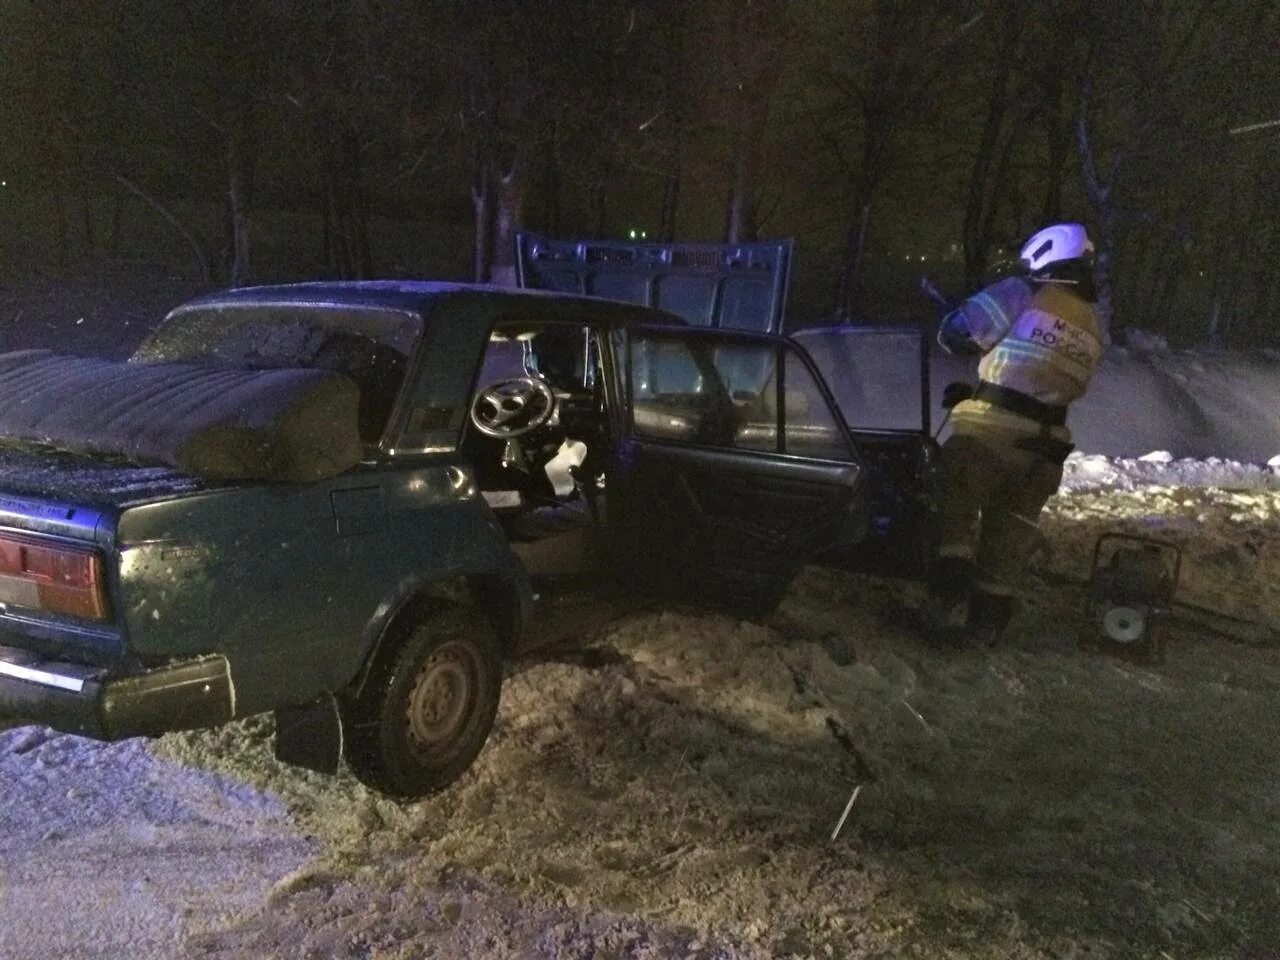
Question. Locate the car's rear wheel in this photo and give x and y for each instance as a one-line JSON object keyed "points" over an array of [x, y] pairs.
{"points": [[427, 706]]}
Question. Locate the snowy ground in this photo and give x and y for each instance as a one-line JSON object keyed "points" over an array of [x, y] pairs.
{"points": [[672, 790]]}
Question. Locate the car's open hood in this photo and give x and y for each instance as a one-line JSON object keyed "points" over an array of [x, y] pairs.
{"points": [[741, 286]]}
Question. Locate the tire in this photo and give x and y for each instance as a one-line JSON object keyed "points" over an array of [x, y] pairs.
{"points": [[428, 706]]}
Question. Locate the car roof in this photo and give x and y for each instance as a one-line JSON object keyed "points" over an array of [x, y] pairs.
{"points": [[418, 295]]}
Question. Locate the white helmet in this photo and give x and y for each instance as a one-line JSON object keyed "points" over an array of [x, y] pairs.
{"points": [[1053, 244]]}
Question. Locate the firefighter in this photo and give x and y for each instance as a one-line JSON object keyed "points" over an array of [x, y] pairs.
{"points": [[1040, 343]]}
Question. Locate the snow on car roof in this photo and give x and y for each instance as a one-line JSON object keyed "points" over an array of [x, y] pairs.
{"points": [[412, 295]]}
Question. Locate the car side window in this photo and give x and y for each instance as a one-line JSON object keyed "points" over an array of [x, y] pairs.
{"points": [[810, 428], [728, 394], [698, 392]]}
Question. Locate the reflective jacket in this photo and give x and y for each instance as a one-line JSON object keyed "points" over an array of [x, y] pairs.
{"points": [[1045, 344]]}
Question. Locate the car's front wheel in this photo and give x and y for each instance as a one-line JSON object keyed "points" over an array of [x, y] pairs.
{"points": [[427, 706]]}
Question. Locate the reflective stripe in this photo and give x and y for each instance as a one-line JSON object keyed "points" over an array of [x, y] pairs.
{"points": [[977, 417], [991, 313], [1035, 354], [43, 677], [1000, 321]]}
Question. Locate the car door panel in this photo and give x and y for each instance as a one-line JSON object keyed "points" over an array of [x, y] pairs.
{"points": [[732, 530], [880, 381], [710, 494]]}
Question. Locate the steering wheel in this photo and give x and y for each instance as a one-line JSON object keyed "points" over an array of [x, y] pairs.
{"points": [[512, 408]]}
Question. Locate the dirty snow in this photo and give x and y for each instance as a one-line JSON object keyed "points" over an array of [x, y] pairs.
{"points": [[671, 790]]}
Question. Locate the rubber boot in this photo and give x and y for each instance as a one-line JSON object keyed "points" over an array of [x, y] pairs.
{"points": [[950, 582], [989, 616]]}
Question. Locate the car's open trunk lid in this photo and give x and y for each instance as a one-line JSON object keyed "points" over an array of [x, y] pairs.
{"points": [[739, 286]]}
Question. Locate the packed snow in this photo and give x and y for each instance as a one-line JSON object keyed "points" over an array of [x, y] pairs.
{"points": [[672, 787]]}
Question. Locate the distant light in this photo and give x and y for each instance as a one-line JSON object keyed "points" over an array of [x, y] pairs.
{"points": [[633, 234], [4, 183], [922, 258]]}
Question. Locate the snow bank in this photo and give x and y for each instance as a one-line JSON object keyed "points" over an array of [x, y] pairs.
{"points": [[1159, 468]]}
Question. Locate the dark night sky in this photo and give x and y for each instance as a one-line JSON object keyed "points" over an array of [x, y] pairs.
{"points": [[350, 138]]}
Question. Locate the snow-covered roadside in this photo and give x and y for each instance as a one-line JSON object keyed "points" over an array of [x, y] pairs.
{"points": [[108, 852], [673, 792], [1160, 468]]}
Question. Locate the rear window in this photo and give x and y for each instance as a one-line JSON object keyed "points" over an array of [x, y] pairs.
{"points": [[372, 347], [273, 336]]}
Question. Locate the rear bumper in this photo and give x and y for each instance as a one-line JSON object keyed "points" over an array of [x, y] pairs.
{"points": [[94, 702]]}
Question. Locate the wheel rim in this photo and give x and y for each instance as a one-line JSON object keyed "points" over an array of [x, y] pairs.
{"points": [[442, 697]]}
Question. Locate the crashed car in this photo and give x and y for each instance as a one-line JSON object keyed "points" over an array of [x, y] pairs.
{"points": [[173, 557]]}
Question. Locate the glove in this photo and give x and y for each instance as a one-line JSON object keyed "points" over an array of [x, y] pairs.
{"points": [[955, 392], [953, 335]]}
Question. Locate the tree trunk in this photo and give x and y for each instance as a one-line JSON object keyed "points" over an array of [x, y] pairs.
{"points": [[117, 212], [86, 215], [1144, 269], [1100, 193], [240, 169], [1102, 277], [760, 42], [670, 206], [328, 230], [856, 239], [1058, 142], [508, 217], [740, 213], [552, 208], [1216, 332], [357, 205], [1163, 302], [61, 233], [600, 208], [481, 221], [350, 255], [977, 214]]}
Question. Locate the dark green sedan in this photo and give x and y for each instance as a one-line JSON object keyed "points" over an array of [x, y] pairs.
{"points": [[507, 445]]}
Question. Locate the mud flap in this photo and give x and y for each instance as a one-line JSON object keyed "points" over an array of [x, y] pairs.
{"points": [[310, 734]]}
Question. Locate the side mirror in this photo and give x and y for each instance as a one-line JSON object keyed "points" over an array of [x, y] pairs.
{"points": [[956, 392]]}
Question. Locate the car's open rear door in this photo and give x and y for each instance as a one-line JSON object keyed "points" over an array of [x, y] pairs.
{"points": [[880, 379], [734, 468]]}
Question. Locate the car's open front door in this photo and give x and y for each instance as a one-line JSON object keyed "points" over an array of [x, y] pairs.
{"points": [[880, 379], [734, 469]]}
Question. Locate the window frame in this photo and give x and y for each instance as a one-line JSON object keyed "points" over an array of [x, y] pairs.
{"points": [[781, 348]]}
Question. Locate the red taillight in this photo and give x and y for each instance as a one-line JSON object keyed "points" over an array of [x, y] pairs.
{"points": [[46, 575]]}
